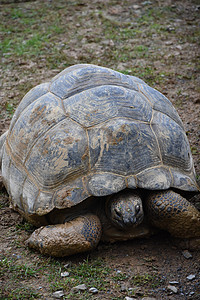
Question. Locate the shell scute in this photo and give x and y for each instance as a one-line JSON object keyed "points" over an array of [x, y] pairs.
{"points": [[173, 143], [34, 121], [17, 175], [100, 104], [160, 103], [58, 155], [123, 147], [89, 76], [105, 184], [156, 178], [30, 97]]}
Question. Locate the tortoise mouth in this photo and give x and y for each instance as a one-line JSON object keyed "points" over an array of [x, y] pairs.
{"points": [[127, 223]]}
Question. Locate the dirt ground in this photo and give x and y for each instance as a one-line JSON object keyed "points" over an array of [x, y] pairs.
{"points": [[157, 41]]}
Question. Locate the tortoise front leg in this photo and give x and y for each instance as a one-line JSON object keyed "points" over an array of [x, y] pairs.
{"points": [[79, 235], [170, 211]]}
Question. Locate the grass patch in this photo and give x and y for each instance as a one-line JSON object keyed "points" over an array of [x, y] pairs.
{"points": [[25, 226], [18, 276], [19, 294], [92, 273], [152, 280], [16, 271]]}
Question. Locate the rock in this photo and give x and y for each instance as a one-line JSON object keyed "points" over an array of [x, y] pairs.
{"points": [[191, 277], [58, 294], [187, 254], [64, 274], [129, 298], [173, 282], [172, 288], [80, 287], [93, 290]]}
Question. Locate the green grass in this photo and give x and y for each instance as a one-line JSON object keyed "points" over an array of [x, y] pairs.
{"points": [[16, 274], [16, 271], [92, 273], [25, 226], [19, 294], [152, 280]]}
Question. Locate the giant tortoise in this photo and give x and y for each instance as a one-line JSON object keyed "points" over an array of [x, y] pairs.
{"points": [[95, 154]]}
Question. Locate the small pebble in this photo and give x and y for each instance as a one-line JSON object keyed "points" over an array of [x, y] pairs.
{"points": [[58, 294], [173, 282], [187, 254], [118, 271], [172, 288], [191, 277], [93, 290], [80, 287], [128, 298], [64, 274]]}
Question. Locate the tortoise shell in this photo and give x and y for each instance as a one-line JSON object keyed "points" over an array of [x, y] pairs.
{"points": [[92, 131]]}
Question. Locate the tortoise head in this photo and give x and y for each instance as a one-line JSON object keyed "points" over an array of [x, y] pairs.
{"points": [[125, 209]]}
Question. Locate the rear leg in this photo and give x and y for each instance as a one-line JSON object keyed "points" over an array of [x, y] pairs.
{"points": [[170, 211], [79, 235]]}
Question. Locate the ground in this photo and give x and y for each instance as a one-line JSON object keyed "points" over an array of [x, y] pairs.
{"points": [[154, 40]]}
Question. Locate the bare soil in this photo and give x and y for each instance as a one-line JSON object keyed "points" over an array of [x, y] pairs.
{"points": [[106, 33]]}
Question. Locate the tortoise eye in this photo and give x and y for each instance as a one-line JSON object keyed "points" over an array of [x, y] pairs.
{"points": [[137, 208], [117, 211]]}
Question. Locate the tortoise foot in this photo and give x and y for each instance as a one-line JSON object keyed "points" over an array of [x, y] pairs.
{"points": [[79, 235], [169, 211]]}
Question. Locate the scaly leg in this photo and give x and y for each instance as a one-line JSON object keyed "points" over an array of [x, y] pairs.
{"points": [[79, 235], [169, 211]]}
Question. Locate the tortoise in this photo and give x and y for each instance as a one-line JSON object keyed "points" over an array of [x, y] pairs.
{"points": [[98, 155]]}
